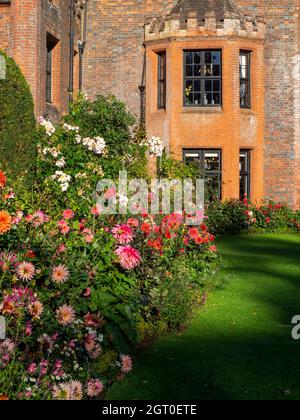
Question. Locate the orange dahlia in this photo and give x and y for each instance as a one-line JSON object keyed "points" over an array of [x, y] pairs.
{"points": [[5, 222], [4, 397], [2, 180]]}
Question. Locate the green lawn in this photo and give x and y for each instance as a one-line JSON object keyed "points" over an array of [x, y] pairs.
{"points": [[240, 345]]}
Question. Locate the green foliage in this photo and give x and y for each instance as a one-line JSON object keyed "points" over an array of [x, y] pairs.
{"points": [[17, 122], [108, 117], [234, 216], [171, 168], [65, 148]]}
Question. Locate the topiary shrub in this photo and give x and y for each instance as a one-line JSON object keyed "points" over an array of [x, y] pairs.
{"points": [[17, 122]]}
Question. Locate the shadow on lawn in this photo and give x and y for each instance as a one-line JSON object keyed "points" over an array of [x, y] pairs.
{"points": [[220, 359]]}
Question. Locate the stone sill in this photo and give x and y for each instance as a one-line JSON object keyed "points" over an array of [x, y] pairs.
{"points": [[247, 111], [194, 110]]}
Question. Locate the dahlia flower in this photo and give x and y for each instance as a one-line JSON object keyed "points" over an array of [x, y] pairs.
{"points": [[133, 222], [60, 274], [25, 271], [94, 388], [36, 309], [63, 227], [123, 234], [129, 257], [68, 214], [126, 363], [5, 222], [110, 193], [68, 391], [65, 315], [3, 180]]}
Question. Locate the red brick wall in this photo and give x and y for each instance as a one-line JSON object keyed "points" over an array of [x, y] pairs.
{"points": [[5, 27], [24, 26], [115, 53], [114, 63], [282, 117]]}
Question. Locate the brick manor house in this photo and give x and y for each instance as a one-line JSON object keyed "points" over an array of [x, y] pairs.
{"points": [[217, 80]]}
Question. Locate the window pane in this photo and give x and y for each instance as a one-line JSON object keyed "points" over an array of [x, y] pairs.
{"points": [[189, 70], [202, 78], [197, 98], [208, 70], [189, 58], [216, 98], [216, 57], [216, 85], [162, 80], [245, 82], [244, 174], [197, 70], [208, 85], [216, 71], [197, 85], [213, 187], [212, 161], [208, 57], [197, 57], [209, 162]]}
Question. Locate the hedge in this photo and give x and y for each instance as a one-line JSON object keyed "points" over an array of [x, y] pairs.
{"points": [[17, 122]]}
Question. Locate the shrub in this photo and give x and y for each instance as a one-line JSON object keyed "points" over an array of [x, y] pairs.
{"points": [[108, 118], [17, 122], [76, 291], [235, 216], [171, 168], [98, 144]]}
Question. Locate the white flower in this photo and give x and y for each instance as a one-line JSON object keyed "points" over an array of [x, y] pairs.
{"points": [[48, 126], [99, 146], [78, 138], [63, 180], [96, 145], [65, 186], [155, 146], [61, 163], [81, 175], [52, 151], [123, 199], [68, 127]]}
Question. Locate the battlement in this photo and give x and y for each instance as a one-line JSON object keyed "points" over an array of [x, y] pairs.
{"points": [[208, 25]]}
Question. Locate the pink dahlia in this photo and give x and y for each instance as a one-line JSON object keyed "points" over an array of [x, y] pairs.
{"points": [[123, 234], [68, 214], [110, 193], [94, 388], [65, 315], [126, 363], [133, 222], [36, 310], [68, 391], [63, 227], [39, 218], [25, 271], [96, 210], [129, 257], [60, 274]]}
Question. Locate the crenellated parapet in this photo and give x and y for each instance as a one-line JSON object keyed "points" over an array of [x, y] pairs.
{"points": [[205, 18], [248, 27]]}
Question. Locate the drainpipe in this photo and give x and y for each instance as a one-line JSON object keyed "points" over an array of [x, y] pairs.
{"points": [[81, 47], [71, 61]]}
